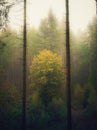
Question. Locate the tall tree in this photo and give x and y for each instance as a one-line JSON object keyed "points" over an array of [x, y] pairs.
{"points": [[68, 69], [48, 33], [24, 70]]}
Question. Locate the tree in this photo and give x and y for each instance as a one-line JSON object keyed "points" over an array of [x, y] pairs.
{"points": [[47, 79], [24, 68], [92, 43], [79, 97], [68, 69], [92, 98], [92, 36], [48, 33], [10, 107], [33, 42], [46, 74], [10, 57], [5, 7], [80, 52]]}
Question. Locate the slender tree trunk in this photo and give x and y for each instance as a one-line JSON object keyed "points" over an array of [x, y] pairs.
{"points": [[24, 72], [96, 7], [68, 69]]}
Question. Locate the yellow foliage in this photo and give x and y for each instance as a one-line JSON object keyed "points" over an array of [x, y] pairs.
{"points": [[46, 68]]}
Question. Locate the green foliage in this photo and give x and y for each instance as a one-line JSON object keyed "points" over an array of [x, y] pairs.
{"points": [[51, 118], [49, 34], [10, 57], [78, 96], [33, 42], [84, 67], [57, 106], [10, 107], [9, 44], [93, 52], [80, 55], [92, 97]]}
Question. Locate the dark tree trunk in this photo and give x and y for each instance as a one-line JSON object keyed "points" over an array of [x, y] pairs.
{"points": [[96, 7], [68, 69], [24, 71]]}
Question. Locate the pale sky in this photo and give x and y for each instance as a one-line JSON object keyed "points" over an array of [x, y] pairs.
{"points": [[81, 12]]}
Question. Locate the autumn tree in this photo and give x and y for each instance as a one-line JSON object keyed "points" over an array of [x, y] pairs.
{"points": [[46, 85], [46, 75]]}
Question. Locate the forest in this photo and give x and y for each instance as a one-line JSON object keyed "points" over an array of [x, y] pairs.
{"points": [[46, 77]]}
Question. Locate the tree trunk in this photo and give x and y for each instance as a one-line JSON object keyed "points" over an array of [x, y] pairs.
{"points": [[68, 69], [96, 7], [24, 72]]}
